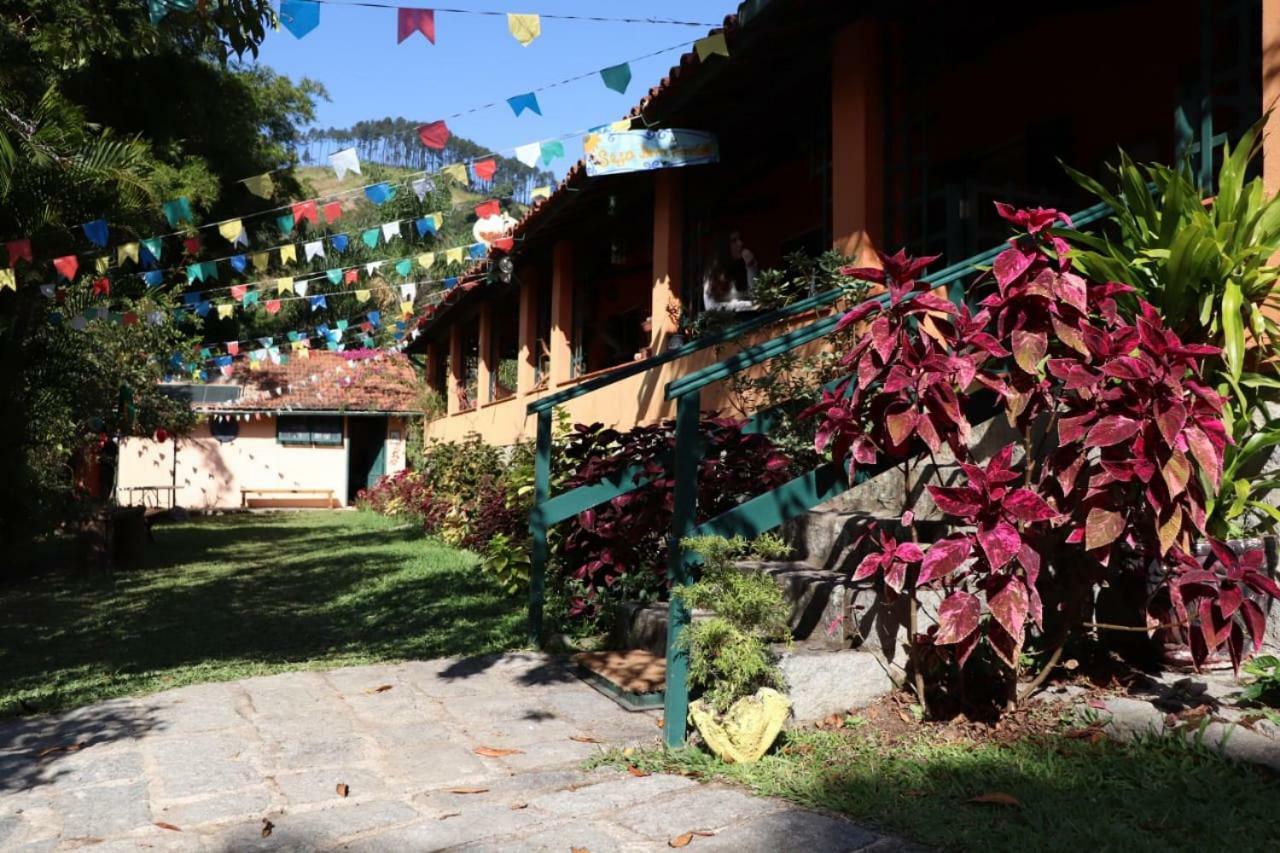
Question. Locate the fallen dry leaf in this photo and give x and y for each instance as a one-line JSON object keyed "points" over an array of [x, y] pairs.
{"points": [[167, 826], [447, 815], [515, 807], [997, 798], [680, 840], [494, 752], [343, 789], [660, 722], [381, 688], [579, 850], [636, 771], [467, 790], [267, 826], [629, 751], [583, 739], [54, 750], [1097, 703]]}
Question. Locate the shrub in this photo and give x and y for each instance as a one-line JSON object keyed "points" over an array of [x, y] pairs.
{"points": [[1138, 435]]}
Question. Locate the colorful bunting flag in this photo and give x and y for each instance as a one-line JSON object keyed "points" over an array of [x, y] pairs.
{"points": [[317, 302], [238, 262], [231, 230], [434, 134], [191, 245], [101, 264], [305, 211], [284, 285], [406, 308], [273, 306], [453, 256], [456, 172], [314, 249], [260, 185], [300, 287], [48, 291], [380, 193], [250, 299], [408, 291], [370, 237], [427, 260], [225, 310], [421, 187], [339, 242], [390, 230], [362, 295], [489, 208], [96, 232], [372, 267], [19, 250], [351, 276], [529, 154], [620, 125], [332, 212], [153, 278], [484, 170], [153, 246], [410, 21], [345, 161], [451, 282], [617, 77], [527, 101], [233, 347], [335, 276], [127, 251], [404, 266], [289, 254], [375, 317], [539, 193], [551, 150], [525, 28], [9, 280], [67, 266], [429, 224], [239, 290], [299, 16], [177, 211], [203, 307], [285, 223], [261, 260], [712, 45]]}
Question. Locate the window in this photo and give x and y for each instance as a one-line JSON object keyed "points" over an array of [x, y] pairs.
{"points": [[309, 429], [224, 429]]}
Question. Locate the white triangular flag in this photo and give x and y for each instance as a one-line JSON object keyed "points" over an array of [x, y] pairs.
{"points": [[49, 290], [529, 154], [422, 186], [372, 267], [344, 161], [408, 291], [300, 288], [389, 230], [242, 239], [314, 249]]}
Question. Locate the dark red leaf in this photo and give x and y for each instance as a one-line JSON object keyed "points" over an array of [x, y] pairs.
{"points": [[1025, 505], [1112, 429], [957, 617]]}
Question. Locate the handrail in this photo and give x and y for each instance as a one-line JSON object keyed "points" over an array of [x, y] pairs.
{"points": [[729, 333]]}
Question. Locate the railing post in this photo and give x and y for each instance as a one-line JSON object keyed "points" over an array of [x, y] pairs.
{"points": [[688, 453], [538, 527]]}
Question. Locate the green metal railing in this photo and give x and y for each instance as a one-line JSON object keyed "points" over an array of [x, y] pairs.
{"points": [[750, 518]]}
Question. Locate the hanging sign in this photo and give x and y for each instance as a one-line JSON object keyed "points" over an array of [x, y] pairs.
{"points": [[616, 152]]}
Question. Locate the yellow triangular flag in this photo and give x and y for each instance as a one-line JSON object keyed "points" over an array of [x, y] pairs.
{"points": [[620, 125], [260, 185], [427, 260], [8, 280], [127, 250], [362, 295], [539, 192], [304, 353], [288, 254], [456, 171], [710, 46], [230, 231], [437, 219], [101, 265], [297, 345], [261, 259], [453, 256], [284, 285], [406, 308], [525, 28], [226, 309]]}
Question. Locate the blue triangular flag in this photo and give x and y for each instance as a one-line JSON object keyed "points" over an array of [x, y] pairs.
{"points": [[426, 225], [238, 262], [375, 317], [617, 77], [203, 307], [380, 193], [322, 330], [96, 231], [153, 278], [317, 302], [527, 101], [477, 251], [339, 242], [299, 16], [450, 282]]}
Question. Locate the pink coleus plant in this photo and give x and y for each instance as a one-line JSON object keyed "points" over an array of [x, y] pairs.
{"points": [[1120, 434]]}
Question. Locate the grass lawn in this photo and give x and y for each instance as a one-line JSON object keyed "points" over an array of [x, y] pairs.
{"points": [[1072, 794], [231, 596]]}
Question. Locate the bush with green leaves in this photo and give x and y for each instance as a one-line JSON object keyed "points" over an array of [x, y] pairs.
{"points": [[1264, 689], [729, 651]]}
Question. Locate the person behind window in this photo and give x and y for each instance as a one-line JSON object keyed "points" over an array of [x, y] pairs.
{"points": [[726, 283]]}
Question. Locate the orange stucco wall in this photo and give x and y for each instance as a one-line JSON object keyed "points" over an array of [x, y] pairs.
{"points": [[210, 473]]}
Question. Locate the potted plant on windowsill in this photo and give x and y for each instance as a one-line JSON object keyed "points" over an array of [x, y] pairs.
{"points": [[1204, 263]]}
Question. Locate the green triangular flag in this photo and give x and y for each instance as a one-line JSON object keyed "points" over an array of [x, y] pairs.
{"points": [[335, 276], [552, 150], [178, 210], [250, 298], [293, 336], [209, 269], [405, 267], [617, 77], [370, 237], [285, 222], [154, 246]]}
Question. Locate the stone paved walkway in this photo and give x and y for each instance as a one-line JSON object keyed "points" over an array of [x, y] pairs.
{"points": [[215, 760]]}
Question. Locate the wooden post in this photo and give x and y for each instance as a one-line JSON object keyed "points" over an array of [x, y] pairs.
{"points": [[456, 379], [688, 454], [484, 383], [857, 132], [527, 369], [562, 313], [668, 254], [1271, 95]]}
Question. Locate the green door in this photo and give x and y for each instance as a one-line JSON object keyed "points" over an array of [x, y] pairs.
{"points": [[378, 466]]}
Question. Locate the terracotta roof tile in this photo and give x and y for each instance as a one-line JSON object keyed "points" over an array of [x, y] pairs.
{"points": [[356, 381]]}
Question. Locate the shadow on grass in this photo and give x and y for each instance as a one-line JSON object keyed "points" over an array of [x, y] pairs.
{"points": [[232, 596]]}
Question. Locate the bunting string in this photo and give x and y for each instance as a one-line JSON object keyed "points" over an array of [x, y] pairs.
{"points": [[369, 4]]}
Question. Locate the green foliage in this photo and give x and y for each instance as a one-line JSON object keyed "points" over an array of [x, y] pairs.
{"points": [[1265, 686], [507, 560], [801, 276], [729, 655]]}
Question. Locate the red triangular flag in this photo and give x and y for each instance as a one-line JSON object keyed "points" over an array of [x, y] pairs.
{"points": [[351, 276], [273, 306], [66, 266], [239, 290], [489, 208], [503, 245], [434, 135], [19, 250], [304, 210], [130, 318], [333, 211], [233, 347], [410, 21], [101, 286], [484, 170], [192, 245]]}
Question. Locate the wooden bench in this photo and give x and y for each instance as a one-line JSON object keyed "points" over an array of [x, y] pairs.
{"points": [[289, 497]]}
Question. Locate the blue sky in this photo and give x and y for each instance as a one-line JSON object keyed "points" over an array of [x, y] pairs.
{"points": [[475, 61]]}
